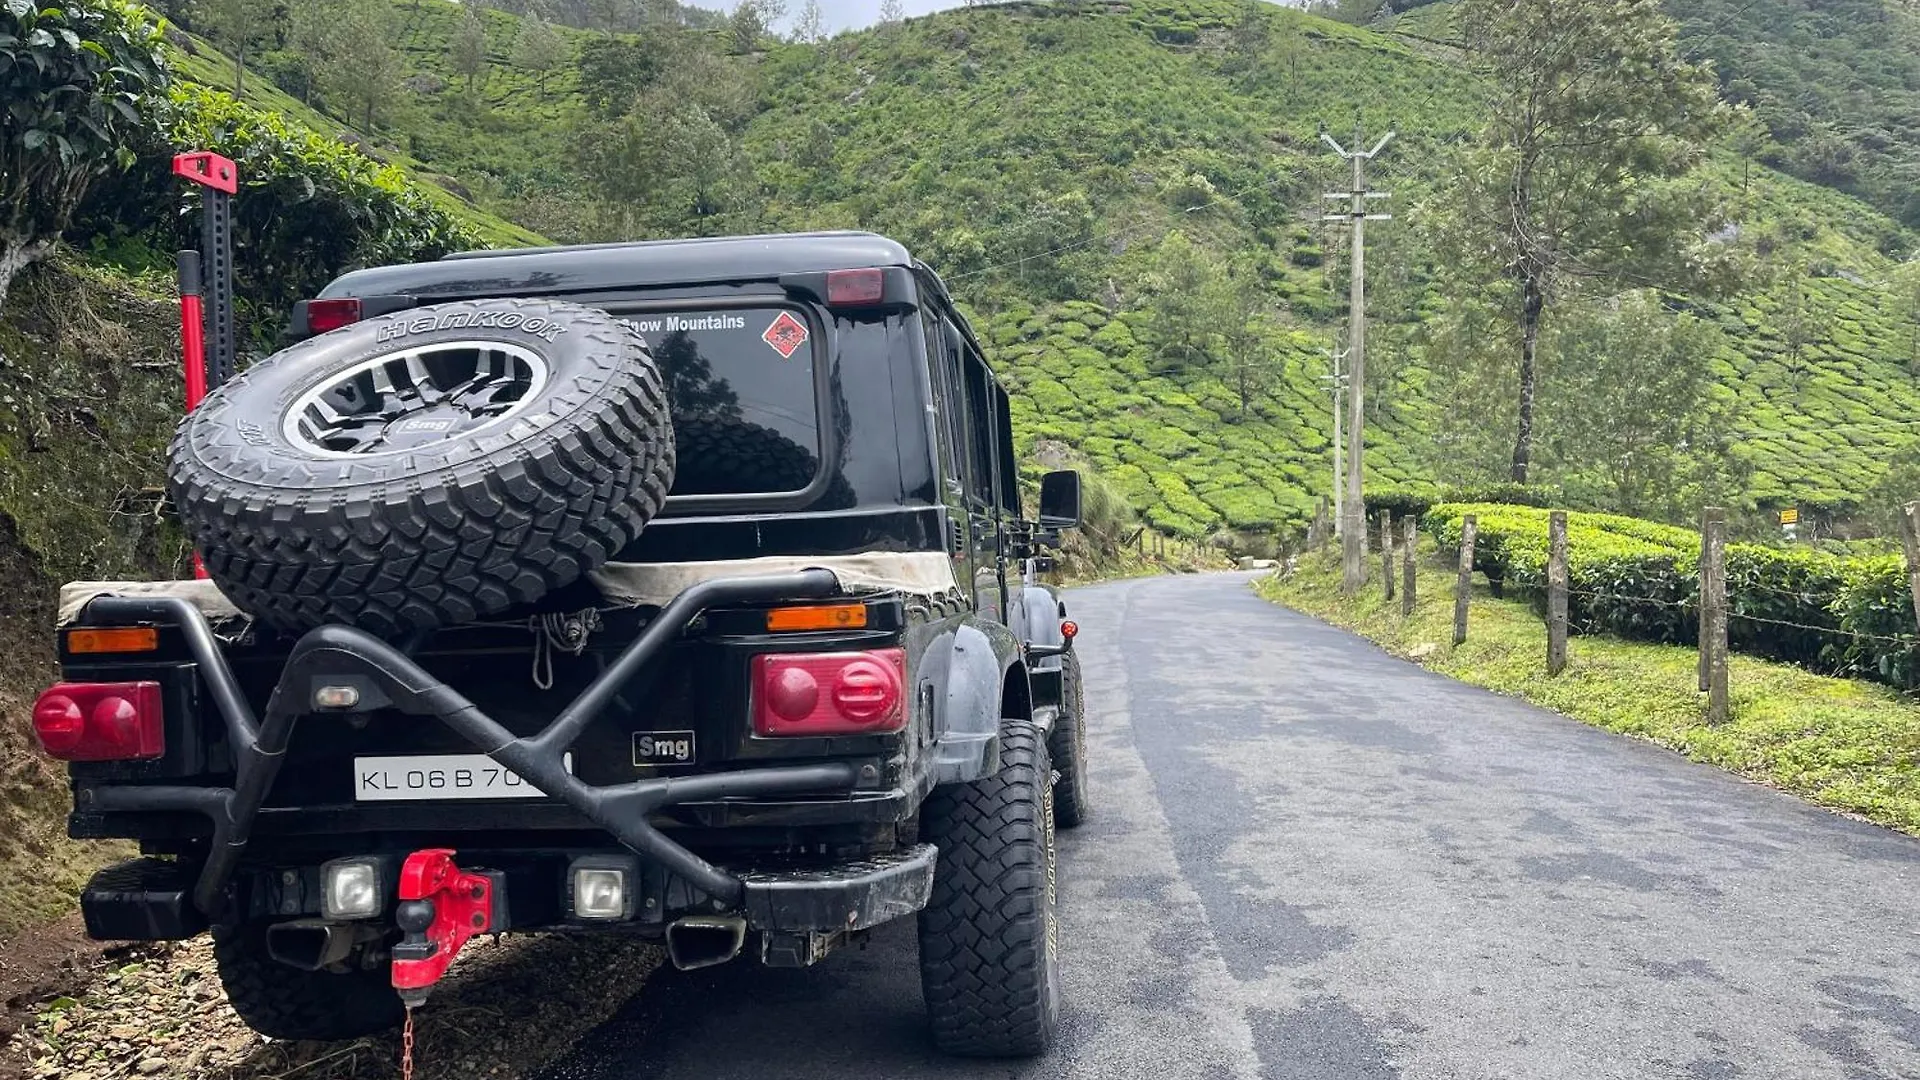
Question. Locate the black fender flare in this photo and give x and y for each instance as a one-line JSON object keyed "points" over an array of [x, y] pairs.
{"points": [[976, 674]]}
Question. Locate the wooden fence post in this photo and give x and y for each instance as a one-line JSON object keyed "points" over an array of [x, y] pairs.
{"points": [[1701, 615], [1713, 611], [1463, 589], [1386, 552], [1557, 592], [1910, 539], [1409, 544]]}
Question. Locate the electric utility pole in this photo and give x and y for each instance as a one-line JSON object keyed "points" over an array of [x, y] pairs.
{"points": [[1353, 555], [1337, 383]]}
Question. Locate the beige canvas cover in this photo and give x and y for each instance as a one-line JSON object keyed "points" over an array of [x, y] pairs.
{"points": [[916, 573]]}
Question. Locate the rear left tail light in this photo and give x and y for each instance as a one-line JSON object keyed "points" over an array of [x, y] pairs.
{"points": [[325, 315], [844, 693], [101, 721]]}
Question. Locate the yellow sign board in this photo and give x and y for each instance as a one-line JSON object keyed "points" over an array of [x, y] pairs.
{"points": [[1790, 516]]}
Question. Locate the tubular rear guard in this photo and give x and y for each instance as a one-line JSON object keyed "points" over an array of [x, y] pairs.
{"points": [[441, 908], [388, 679]]}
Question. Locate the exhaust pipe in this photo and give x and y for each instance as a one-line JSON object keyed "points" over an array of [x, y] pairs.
{"points": [[699, 941], [310, 944]]}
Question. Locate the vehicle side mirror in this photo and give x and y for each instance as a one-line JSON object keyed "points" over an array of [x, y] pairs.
{"points": [[1060, 500]]}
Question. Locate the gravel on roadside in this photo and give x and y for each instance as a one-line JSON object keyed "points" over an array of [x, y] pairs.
{"points": [[507, 1006]]}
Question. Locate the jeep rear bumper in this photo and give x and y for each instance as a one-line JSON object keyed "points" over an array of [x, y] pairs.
{"points": [[387, 679], [151, 899]]}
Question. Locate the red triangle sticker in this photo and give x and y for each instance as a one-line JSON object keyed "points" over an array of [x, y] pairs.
{"points": [[786, 335]]}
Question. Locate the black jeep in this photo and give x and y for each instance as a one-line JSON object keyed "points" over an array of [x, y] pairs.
{"points": [[676, 588]]}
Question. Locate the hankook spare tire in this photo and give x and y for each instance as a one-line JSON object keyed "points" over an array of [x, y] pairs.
{"points": [[426, 468]]}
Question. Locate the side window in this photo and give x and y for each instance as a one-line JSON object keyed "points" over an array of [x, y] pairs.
{"points": [[1009, 468], [980, 411], [948, 401]]}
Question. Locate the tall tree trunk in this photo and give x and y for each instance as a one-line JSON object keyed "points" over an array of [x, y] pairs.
{"points": [[239, 71], [1534, 300]]}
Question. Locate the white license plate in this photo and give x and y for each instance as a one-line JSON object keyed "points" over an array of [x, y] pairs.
{"points": [[439, 776]]}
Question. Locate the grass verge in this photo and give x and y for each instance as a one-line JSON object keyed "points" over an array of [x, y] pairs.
{"points": [[1844, 744]]}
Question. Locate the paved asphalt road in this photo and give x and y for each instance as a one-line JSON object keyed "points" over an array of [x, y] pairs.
{"points": [[1312, 860]]}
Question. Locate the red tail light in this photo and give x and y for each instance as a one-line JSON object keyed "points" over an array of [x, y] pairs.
{"points": [[852, 288], [101, 721], [325, 315], [849, 693]]}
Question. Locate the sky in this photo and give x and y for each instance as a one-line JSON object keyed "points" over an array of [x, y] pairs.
{"points": [[851, 14]]}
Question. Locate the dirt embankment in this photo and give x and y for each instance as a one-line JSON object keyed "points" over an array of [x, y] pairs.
{"points": [[88, 392]]}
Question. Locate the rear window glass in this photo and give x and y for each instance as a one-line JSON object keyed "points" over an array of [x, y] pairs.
{"points": [[741, 385]]}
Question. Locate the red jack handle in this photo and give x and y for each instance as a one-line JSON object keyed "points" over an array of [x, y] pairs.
{"points": [[441, 908], [193, 334]]}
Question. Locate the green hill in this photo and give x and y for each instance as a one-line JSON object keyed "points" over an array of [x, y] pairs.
{"points": [[1039, 154]]}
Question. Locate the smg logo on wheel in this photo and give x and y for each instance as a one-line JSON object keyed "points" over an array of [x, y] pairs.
{"points": [[663, 748]]}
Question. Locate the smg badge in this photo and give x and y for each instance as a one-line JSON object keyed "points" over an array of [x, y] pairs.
{"points": [[663, 748]]}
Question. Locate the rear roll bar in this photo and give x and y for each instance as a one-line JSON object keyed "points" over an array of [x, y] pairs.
{"points": [[333, 652]]}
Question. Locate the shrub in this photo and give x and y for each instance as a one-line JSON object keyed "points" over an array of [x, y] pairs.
{"points": [[1508, 492], [1401, 501], [309, 207]]}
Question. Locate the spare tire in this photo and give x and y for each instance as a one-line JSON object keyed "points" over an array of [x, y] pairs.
{"points": [[426, 468]]}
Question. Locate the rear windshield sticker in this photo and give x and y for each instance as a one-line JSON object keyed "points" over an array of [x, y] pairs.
{"points": [[786, 335]]}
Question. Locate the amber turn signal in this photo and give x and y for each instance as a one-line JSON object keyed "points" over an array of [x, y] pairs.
{"points": [[117, 639], [818, 617]]}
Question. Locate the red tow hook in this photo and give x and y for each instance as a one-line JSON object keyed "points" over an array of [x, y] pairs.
{"points": [[441, 907]]}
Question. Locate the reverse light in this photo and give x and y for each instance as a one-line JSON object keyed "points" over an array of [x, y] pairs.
{"points": [[814, 694], [336, 697], [350, 889], [600, 887], [101, 721], [325, 315], [851, 288], [112, 639]]}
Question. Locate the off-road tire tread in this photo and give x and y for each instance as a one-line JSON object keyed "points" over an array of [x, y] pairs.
{"points": [[284, 1002], [1067, 748], [464, 542], [983, 935]]}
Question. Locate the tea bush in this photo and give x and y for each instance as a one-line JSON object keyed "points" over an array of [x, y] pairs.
{"points": [[1639, 579]]}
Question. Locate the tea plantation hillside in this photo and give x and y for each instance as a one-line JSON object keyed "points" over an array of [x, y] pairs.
{"points": [[1042, 154]]}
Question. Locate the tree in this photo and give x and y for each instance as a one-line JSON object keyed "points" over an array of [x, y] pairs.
{"points": [[1638, 422], [751, 21], [1804, 317], [470, 45], [1905, 284], [1246, 358], [613, 71], [1249, 37], [1181, 291], [237, 24], [892, 13], [612, 15], [811, 27], [1591, 110], [362, 68], [668, 166], [539, 49], [74, 78]]}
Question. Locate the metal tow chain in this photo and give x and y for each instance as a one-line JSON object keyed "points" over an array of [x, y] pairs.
{"points": [[406, 1047]]}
